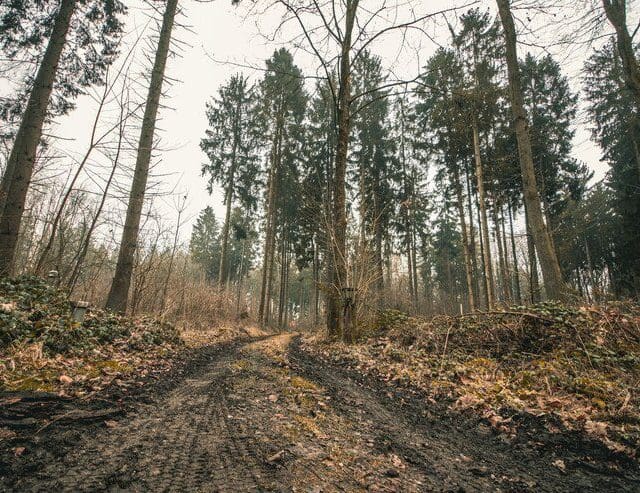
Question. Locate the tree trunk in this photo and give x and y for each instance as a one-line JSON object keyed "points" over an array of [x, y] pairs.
{"points": [[414, 265], [616, 11], [484, 225], [117, 300], [505, 249], [316, 281], [337, 261], [472, 236], [283, 287], [17, 175], [270, 276], [553, 282], [534, 285], [222, 271], [500, 275], [503, 252], [481, 268], [379, 261], [465, 240], [286, 303], [272, 186], [222, 277], [516, 273]]}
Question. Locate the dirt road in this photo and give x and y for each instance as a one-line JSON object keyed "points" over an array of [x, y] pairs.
{"points": [[263, 415]]}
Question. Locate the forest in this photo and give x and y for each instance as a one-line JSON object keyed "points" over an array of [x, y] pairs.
{"points": [[397, 189]]}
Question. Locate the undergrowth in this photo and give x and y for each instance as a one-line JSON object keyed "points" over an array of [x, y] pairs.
{"points": [[31, 312], [580, 363], [42, 348]]}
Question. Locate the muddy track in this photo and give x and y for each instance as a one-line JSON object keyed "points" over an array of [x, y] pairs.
{"points": [[461, 451], [263, 415]]}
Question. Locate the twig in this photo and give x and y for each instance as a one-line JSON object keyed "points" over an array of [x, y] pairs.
{"points": [[444, 350]]}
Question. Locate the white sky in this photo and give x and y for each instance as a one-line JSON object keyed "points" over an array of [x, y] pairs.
{"points": [[220, 31]]}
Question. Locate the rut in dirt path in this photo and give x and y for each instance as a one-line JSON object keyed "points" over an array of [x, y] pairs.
{"points": [[266, 416]]}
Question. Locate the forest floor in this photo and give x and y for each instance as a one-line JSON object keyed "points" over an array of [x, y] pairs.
{"points": [[269, 413]]}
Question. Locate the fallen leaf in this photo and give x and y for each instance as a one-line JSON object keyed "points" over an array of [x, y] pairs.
{"points": [[597, 428], [18, 451], [7, 307], [559, 463], [276, 457], [110, 423], [397, 461], [6, 433], [466, 401]]}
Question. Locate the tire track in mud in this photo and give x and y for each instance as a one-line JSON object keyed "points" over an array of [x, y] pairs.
{"points": [[265, 415], [455, 453], [187, 441]]}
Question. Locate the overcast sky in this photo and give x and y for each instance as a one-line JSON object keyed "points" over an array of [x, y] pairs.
{"points": [[218, 31]]}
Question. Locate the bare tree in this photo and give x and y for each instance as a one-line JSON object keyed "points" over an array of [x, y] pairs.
{"points": [[350, 28], [19, 169], [180, 206], [124, 114], [118, 294]]}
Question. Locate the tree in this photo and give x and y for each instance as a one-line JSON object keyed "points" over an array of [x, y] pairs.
{"points": [[552, 108], [588, 238], [81, 59], [119, 292], [317, 185], [282, 106], [231, 145], [338, 259], [616, 130], [411, 196], [333, 32], [616, 12], [444, 121], [205, 243], [477, 44], [553, 282], [376, 166]]}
